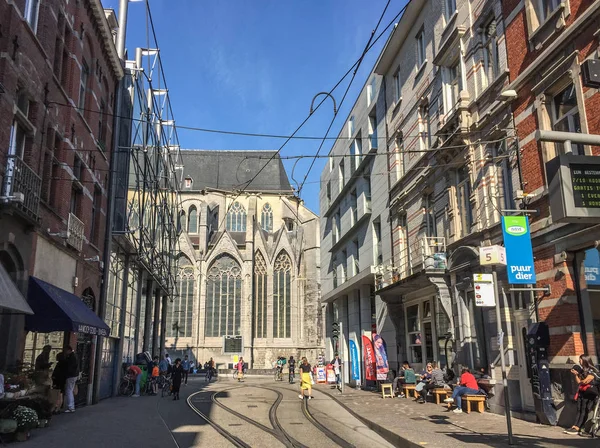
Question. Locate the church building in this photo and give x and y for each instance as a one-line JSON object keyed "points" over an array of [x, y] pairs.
{"points": [[248, 266]]}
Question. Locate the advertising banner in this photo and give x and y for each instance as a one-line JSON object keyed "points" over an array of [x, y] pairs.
{"points": [[519, 254], [592, 267], [321, 375], [380, 358], [370, 369], [354, 359]]}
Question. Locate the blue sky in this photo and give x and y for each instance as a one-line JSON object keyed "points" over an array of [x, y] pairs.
{"points": [[254, 66]]}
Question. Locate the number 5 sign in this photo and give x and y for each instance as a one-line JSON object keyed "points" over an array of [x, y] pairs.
{"points": [[490, 255]]}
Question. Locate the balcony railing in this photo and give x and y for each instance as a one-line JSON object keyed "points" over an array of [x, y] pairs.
{"points": [[76, 230], [424, 254], [20, 178]]}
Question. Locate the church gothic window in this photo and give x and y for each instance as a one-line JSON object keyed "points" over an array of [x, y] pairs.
{"points": [[236, 218], [179, 315], [282, 275], [223, 298], [266, 218], [260, 294], [193, 220]]}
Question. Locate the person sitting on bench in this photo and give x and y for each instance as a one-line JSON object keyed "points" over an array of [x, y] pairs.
{"points": [[405, 376], [467, 386], [435, 379]]}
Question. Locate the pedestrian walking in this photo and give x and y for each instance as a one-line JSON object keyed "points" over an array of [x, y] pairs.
{"points": [[292, 369], [186, 368], [176, 376], [42, 362], [306, 384], [240, 369], [155, 374], [337, 365], [163, 365], [72, 373], [59, 380], [587, 378]]}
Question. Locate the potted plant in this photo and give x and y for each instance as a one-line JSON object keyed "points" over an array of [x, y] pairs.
{"points": [[26, 419]]}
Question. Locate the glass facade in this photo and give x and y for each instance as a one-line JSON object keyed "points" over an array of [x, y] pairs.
{"points": [[131, 313], [114, 293]]}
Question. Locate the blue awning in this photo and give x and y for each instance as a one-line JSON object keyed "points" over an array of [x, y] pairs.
{"points": [[58, 310]]}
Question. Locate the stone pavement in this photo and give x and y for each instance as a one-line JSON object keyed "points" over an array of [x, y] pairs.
{"points": [[121, 422], [432, 425]]}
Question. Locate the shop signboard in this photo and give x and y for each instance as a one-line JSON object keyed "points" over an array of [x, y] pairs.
{"points": [[354, 359], [592, 267], [330, 374], [519, 253], [492, 255], [484, 290], [321, 375]]}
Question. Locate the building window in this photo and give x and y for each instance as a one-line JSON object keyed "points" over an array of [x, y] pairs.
{"points": [[266, 218], [289, 224], [342, 175], [96, 207], [355, 154], [236, 218], [378, 255], [282, 276], [328, 193], [397, 87], [424, 134], [76, 188], [83, 81], [463, 194], [336, 226], [32, 12], [182, 223], [114, 295], [429, 212], [356, 255], [353, 207], [449, 9], [193, 220], [504, 177], [545, 8], [260, 294], [452, 86], [344, 264], [565, 116], [371, 92], [223, 298], [351, 127], [372, 132], [188, 182], [102, 125], [331, 163], [420, 48], [180, 313], [398, 159], [413, 329], [491, 62]]}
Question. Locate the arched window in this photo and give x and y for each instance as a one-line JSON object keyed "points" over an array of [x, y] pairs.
{"points": [[179, 314], [181, 223], [266, 218], [223, 298], [260, 294], [193, 220], [282, 278], [236, 218]]}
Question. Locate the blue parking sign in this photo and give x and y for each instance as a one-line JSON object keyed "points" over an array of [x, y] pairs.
{"points": [[519, 253]]}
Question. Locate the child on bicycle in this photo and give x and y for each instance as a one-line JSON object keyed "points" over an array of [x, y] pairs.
{"points": [[155, 374]]}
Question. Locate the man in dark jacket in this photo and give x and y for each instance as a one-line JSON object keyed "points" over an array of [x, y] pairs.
{"points": [[72, 373]]}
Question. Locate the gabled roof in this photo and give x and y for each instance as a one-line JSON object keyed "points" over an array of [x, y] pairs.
{"points": [[231, 170]]}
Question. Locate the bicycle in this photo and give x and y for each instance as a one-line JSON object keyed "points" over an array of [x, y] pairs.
{"points": [[292, 376], [127, 386], [167, 387], [209, 375], [595, 420], [278, 374]]}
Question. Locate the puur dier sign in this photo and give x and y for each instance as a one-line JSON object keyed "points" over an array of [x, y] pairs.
{"points": [[485, 291], [519, 254]]}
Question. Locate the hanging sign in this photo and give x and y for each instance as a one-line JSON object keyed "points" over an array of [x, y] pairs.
{"points": [[519, 254], [491, 255], [354, 359], [592, 267], [485, 290]]}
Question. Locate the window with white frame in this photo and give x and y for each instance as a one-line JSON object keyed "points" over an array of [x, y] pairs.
{"points": [[266, 218], [397, 87], [565, 116], [236, 218], [545, 8], [451, 78], [193, 220], [491, 61], [83, 81], [463, 199], [449, 9], [32, 12], [420, 48]]}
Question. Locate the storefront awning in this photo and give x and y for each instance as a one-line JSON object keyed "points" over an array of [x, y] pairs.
{"points": [[58, 310], [10, 297]]}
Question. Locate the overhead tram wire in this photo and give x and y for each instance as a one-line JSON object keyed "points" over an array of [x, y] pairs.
{"points": [[355, 65], [362, 56]]}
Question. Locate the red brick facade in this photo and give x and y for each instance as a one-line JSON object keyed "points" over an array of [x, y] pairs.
{"points": [[64, 138], [543, 58]]}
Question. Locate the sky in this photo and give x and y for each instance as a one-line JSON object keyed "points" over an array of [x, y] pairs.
{"points": [[255, 65]]}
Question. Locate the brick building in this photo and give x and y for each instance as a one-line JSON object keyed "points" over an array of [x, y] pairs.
{"points": [[548, 42], [58, 72]]}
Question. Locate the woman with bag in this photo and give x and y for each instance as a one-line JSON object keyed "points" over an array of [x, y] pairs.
{"points": [[587, 378]]}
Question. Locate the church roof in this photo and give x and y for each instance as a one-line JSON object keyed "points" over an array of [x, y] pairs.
{"points": [[231, 170]]}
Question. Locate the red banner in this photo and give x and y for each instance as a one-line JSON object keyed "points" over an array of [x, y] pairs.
{"points": [[370, 366]]}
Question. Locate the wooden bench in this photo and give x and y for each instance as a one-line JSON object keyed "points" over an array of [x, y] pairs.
{"points": [[409, 390], [479, 399], [439, 393], [387, 391]]}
